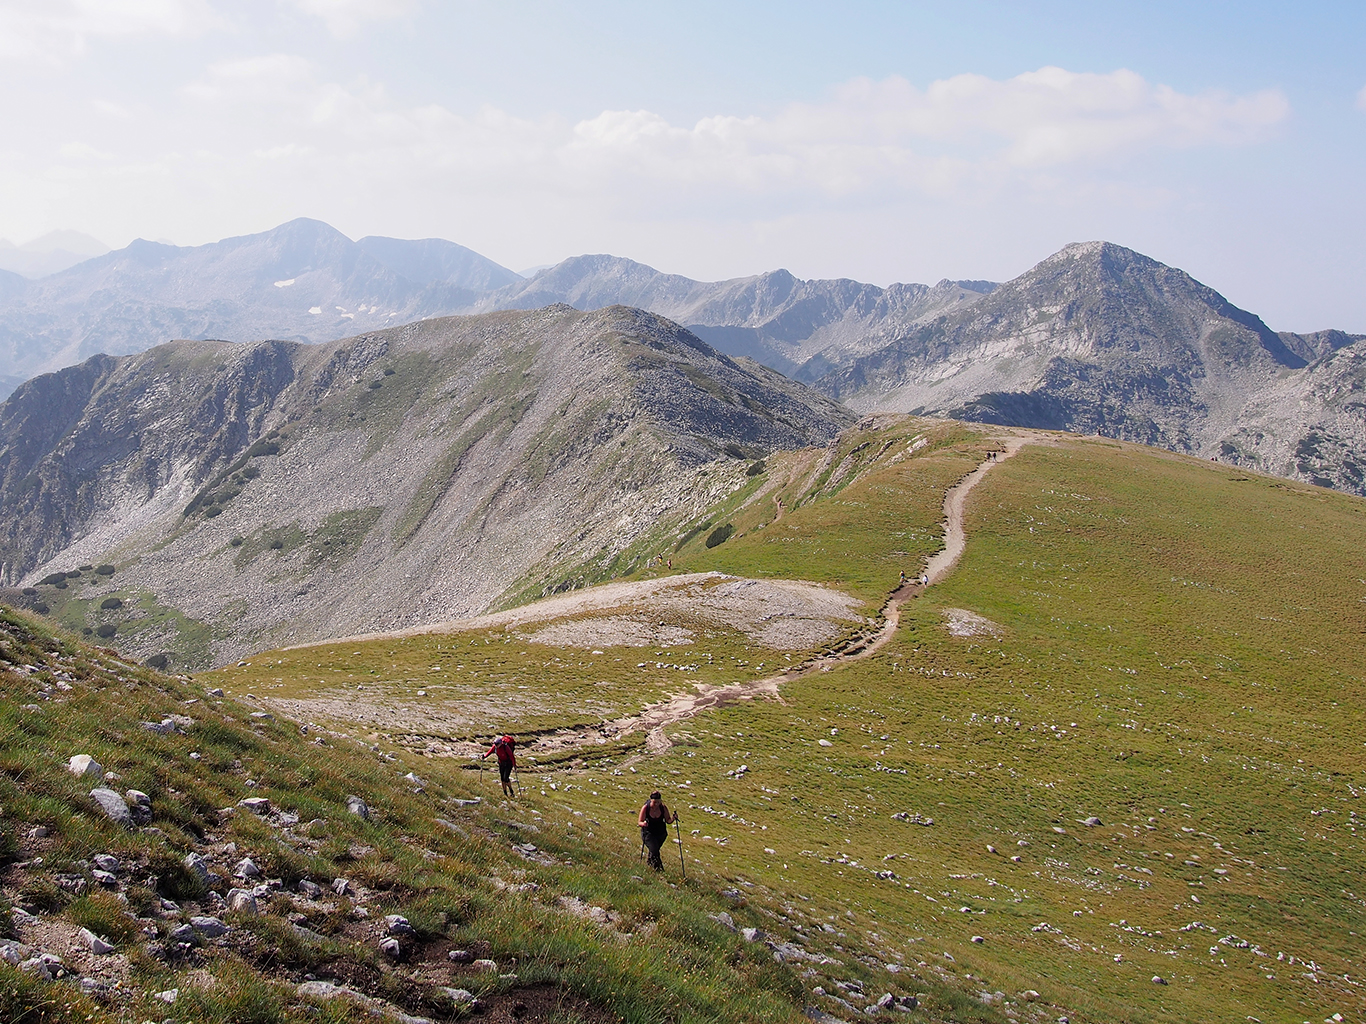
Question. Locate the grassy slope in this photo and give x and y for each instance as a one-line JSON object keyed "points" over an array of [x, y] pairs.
{"points": [[670, 962], [1201, 629]]}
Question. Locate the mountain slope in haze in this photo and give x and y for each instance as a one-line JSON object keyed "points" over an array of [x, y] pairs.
{"points": [[800, 328], [1100, 339], [49, 254], [302, 281], [276, 492]]}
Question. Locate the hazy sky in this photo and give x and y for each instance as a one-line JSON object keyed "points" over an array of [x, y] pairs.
{"points": [[879, 141]]}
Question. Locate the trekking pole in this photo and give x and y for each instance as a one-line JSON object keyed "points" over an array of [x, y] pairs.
{"points": [[678, 832]]}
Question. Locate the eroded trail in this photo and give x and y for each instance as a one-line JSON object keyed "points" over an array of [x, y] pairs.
{"points": [[657, 718]]}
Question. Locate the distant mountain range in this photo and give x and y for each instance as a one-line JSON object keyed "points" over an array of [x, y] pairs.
{"points": [[1096, 339]]}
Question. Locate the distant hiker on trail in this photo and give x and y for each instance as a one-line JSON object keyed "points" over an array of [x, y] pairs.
{"points": [[903, 578], [506, 749], [655, 820], [924, 580]]}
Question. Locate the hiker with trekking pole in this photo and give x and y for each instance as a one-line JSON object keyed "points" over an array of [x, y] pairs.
{"points": [[655, 820], [505, 747]]}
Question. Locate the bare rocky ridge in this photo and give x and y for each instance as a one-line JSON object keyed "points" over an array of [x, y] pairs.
{"points": [[800, 328], [1100, 339], [272, 493]]}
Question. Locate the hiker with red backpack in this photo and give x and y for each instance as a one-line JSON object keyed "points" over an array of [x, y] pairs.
{"points": [[506, 749]]}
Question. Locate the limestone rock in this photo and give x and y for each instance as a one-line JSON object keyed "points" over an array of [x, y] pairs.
{"points": [[209, 927], [241, 901], [84, 764], [113, 806], [198, 867], [94, 943], [357, 806]]}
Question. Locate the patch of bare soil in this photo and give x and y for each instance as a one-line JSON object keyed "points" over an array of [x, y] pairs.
{"points": [[961, 622]]}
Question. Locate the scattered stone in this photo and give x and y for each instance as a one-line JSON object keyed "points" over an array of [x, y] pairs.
{"points": [[263, 716], [168, 997], [241, 901], [246, 868], [105, 878], [113, 806], [825, 743], [94, 943], [44, 966], [487, 966], [184, 934], [341, 886], [209, 927], [978, 939], [461, 956], [310, 889], [105, 862], [1028, 995], [397, 924], [140, 804], [162, 728], [752, 934], [410, 777], [326, 990], [724, 920], [990, 848], [390, 947], [307, 934], [459, 996], [39, 832], [255, 804], [1092, 821], [467, 803], [96, 988], [84, 764], [1159, 980], [215, 692], [198, 867], [1016, 858], [355, 805], [885, 1000]]}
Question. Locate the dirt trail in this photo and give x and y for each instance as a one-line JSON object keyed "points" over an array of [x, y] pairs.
{"points": [[657, 718]]}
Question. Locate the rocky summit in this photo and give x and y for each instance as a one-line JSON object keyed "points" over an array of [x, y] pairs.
{"points": [[1099, 339], [203, 499]]}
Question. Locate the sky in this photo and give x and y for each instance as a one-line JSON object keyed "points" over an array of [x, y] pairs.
{"points": [[880, 141]]}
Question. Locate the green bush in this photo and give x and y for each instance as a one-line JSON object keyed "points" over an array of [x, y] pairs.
{"points": [[389, 372], [756, 469], [213, 510], [158, 661], [105, 570], [30, 592], [52, 579], [276, 544], [73, 574], [60, 584], [106, 631], [110, 603], [375, 385], [720, 535], [41, 608], [236, 542]]}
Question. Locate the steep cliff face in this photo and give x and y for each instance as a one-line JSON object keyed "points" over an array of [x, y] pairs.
{"points": [[275, 492]]}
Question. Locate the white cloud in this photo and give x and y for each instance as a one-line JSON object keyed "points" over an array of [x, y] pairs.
{"points": [[959, 134], [345, 17], [47, 29]]}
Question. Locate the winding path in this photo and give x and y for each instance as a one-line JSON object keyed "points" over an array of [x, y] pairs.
{"points": [[657, 718]]}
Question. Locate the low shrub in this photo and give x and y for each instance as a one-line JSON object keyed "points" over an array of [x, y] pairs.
{"points": [[276, 544], [30, 592], [52, 579], [720, 535], [236, 542], [158, 661], [105, 570], [41, 608], [86, 568], [213, 510], [375, 385], [106, 631], [756, 469], [110, 603]]}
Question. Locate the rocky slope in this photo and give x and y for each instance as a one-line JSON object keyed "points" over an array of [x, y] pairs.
{"points": [[267, 493], [1100, 339], [801, 328], [303, 281]]}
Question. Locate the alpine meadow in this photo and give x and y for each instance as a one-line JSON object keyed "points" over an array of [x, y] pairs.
{"points": [[896, 553]]}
